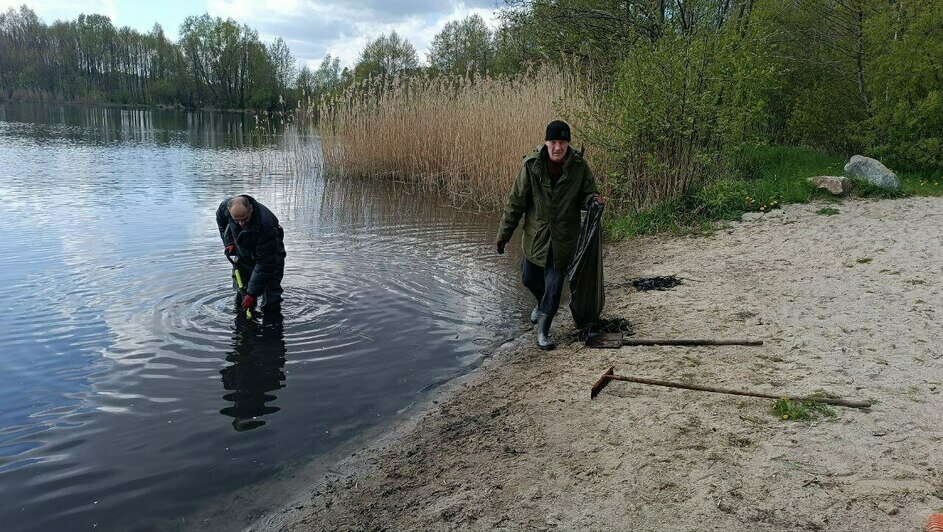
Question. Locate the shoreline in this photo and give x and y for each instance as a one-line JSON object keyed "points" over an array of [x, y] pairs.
{"points": [[847, 304], [242, 508]]}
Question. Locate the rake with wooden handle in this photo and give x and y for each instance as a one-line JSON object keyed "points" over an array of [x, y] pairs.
{"points": [[617, 340], [611, 376]]}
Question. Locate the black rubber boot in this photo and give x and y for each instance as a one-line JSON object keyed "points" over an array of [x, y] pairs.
{"points": [[543, 332], [533, 314], [272, 315]]}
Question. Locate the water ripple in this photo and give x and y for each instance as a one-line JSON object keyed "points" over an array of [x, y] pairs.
{"points": [[135, 390]]}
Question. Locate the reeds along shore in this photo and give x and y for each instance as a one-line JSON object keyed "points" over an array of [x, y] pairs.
{"points": [[463, 136]]}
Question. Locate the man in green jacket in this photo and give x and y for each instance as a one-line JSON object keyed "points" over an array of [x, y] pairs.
{"points": [[554, 184]]}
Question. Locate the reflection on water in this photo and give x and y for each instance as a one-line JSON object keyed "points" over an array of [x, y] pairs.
{"points": [[117, 318], [112, 125], [257, 363]]}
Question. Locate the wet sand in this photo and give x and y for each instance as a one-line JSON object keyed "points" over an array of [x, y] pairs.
{"points": [[849, 304]]}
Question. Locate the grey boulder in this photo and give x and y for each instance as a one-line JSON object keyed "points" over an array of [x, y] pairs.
{"points": [[872, 171]]}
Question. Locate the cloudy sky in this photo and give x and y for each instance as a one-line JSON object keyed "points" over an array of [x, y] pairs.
{"points": [[312, 28]]}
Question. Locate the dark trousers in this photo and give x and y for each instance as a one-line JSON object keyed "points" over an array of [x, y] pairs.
{"points": [[545, 283], [270, 300]]}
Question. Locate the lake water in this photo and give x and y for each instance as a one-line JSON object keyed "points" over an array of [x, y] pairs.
{"points": [[132, 395]]}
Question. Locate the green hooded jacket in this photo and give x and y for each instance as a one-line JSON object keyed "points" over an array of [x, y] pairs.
{"points": [[551, 215]]}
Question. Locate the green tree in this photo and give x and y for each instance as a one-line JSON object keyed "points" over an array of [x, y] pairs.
{"points": [[385, 58], [680, 103], [596, 33], [171, 82], [326, 79], [228, 63], [904, 62], [463, 45], [286, 69], [22, 40]]}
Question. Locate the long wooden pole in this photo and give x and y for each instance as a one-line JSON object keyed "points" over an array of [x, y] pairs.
{"points": [[648, 341], [610, 376]]}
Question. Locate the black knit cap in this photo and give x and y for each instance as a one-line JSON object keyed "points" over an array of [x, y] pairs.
{"points": [[558, 130]]}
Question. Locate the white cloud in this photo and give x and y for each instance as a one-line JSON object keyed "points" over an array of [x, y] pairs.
{"points": [[244, 10], [343, 30]]}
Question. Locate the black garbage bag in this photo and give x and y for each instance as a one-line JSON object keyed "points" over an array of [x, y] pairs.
{"points": [[587, 296]]}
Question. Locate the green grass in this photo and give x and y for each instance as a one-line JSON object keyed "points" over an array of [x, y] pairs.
{"points": [[920, 183], [765, 179], [828, 211], [790, 410]]}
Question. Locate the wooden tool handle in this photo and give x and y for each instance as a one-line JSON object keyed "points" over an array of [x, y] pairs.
{"points": [[650, 341], [608, 376]]}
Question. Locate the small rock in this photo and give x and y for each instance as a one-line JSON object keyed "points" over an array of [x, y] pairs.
{"points": [[888, 508], [751, 216], [872, 171], [837, 185]]}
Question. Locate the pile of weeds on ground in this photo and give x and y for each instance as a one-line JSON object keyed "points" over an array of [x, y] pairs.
{"points": [[797, 410], [602, 325]]}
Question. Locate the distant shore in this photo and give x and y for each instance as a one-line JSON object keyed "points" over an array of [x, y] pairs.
{"points": [[156, 106]]}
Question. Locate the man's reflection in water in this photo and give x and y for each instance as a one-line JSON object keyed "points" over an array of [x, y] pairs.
{"points": [[257, 362]]}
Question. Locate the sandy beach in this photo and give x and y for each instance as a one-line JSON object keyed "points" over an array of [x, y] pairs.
{"points": [[848, 304]]}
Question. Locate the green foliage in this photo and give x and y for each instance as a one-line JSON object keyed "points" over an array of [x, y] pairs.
{"points": [[217, 62], [812, 49], [231, 68], [385, 58], [682, 105], [596, 33], [795, 410], [283, 62], [865, 189], [687, 89], [906, 88], [921, 183], [463, 45], [321, 85], [765, 179]]}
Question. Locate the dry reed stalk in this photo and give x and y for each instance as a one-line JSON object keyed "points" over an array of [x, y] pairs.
{"points": [[463, 136]]}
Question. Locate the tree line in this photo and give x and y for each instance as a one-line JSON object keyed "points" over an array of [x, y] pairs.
{"points": [[215, 63], [682, 86]]}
